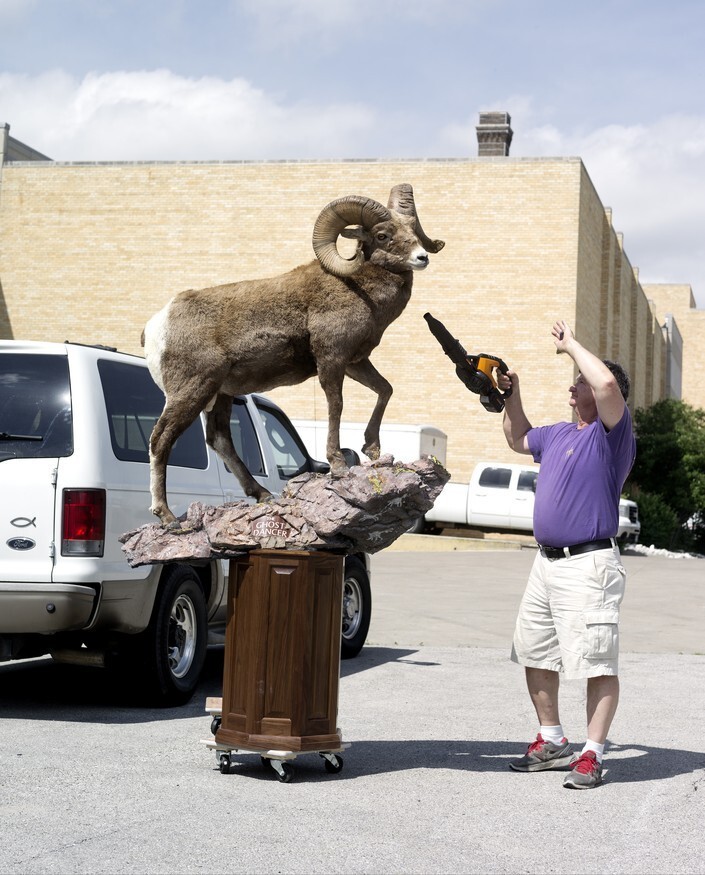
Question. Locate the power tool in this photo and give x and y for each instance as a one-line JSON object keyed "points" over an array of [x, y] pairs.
{"points": [[475, 371]]}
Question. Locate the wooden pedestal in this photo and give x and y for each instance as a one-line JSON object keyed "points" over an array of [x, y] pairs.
{"points": [[282, 652]]}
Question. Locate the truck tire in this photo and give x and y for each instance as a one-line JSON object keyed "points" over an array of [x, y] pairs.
{"points": [[173, 647], [357, 607]]}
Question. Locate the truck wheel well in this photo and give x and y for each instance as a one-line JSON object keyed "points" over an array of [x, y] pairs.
{"points": [[203, 572]]}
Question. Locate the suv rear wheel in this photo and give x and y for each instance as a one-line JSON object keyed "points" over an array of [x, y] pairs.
{"points": [[173, 647]]}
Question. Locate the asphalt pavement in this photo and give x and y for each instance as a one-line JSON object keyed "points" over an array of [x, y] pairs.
{"points": [[432, 709]]}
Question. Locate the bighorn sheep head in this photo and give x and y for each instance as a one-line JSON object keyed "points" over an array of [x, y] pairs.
{"points": [[382, 233]]}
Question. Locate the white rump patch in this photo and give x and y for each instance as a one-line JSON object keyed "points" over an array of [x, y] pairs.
{"points": [[155, 333]]}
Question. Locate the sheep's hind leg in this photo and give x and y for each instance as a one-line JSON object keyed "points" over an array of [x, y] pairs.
{"points": [[364, 372], [219, 437], [167, 429]]}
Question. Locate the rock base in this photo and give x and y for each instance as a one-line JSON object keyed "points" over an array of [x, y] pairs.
{"points": [[366, 510]]}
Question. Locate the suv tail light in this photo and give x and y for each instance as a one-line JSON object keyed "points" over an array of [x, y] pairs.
{"points": [[83, 525]]}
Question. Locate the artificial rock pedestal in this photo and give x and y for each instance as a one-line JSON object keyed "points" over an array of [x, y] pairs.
{"points": [[363, 511]]}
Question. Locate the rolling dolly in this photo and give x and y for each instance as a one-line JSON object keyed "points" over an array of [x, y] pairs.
{"points": [[281, 761], [282, 660]]}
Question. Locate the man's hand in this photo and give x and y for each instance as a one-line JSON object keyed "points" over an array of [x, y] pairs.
{"points": [[507, 381], [562, 335]]}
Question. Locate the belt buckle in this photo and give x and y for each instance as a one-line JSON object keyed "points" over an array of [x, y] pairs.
{"points": [[553, 553]]}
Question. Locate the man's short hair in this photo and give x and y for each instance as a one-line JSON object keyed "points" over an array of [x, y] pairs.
{"points": [[620, 375]]}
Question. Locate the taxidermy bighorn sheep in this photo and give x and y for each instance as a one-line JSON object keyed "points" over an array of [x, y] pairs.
{"points": [[321, 318]]}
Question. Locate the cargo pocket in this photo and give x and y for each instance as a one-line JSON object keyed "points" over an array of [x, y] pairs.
{"points": [[601, 634]]}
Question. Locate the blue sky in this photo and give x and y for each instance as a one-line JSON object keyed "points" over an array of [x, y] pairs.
{"points": [[618, 83]]}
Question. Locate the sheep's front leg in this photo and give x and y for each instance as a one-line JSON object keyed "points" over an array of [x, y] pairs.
{"points": [[219, 437], [364, 372], [331, 380]]}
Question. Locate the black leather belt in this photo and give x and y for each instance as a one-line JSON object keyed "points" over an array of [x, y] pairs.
{"points": [[576, 549]]}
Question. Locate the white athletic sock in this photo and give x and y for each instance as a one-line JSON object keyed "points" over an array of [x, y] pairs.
{"points": [[598, 749], [554, 734]]}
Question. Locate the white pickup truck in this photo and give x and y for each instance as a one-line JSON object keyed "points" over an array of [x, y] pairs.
{"points": [[500, 496]]}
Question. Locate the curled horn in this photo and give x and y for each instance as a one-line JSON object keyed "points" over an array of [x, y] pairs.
{"points": [[350, 210], [401, 200]]}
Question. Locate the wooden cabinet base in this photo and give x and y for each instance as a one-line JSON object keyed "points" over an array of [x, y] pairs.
{"points": [[282, 651]]}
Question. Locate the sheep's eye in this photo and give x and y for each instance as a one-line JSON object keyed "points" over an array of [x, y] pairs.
{"points": [[382, 236]]}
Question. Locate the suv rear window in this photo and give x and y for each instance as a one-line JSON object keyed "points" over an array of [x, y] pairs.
{"points": [[134, 402], [35, 407]]}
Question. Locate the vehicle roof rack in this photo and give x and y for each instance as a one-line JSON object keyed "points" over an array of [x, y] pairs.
{"points": [[93, 345]]}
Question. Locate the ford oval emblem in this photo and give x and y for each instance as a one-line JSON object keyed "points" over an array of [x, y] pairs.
{"points": [[21, 543]]}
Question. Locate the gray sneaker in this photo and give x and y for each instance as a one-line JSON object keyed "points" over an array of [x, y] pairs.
{"points": [[585, 772], [543, 755]]}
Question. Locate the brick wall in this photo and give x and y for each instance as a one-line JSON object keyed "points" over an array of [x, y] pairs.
{"points": [[677, 299], [90, 251]]}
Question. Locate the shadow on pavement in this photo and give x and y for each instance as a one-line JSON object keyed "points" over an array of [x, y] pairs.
{"points": [[372, 657], [44, 690], [364, 758], [41, 689]]}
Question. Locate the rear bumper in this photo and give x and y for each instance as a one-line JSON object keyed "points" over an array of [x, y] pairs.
{"points": [[27, 608], [629, 534]]}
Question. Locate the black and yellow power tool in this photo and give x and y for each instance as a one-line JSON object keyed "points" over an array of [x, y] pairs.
{"points": [[475, 371]]}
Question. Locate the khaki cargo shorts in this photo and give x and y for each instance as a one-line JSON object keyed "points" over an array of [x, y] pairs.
{"points": [[569, 616]]}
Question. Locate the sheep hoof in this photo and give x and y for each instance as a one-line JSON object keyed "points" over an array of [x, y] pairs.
{"points": [[166, 517], [339, 469]]}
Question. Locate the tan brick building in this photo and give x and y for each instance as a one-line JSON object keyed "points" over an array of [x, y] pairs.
{"points": [[89, 251], [674, 306]]}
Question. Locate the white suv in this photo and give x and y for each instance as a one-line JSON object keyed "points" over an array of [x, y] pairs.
{"points": [[75, 423]]}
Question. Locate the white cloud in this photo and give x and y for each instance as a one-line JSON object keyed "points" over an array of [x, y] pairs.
{"points": [[652, 174], [158, 115]]}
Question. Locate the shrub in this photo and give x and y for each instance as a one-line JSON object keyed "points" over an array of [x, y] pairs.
{"points": [[659, 522]]}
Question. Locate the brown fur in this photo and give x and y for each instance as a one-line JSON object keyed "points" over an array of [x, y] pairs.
{"points": [[256, 335]]}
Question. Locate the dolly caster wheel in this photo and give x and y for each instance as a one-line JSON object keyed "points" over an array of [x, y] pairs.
{"points": [[215, 724], [332, 763], [284, 771], [224, 763]]}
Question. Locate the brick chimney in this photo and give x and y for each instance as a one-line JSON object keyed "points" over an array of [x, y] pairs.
{"points": [[494, 134]]}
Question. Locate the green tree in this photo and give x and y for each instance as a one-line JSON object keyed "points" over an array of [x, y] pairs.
{"points": [[670, 464]]}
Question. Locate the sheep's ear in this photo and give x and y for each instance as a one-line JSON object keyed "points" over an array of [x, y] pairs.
{"points": [[356, 232]]}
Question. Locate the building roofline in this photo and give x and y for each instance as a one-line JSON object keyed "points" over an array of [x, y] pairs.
{"points": [[274, 161]]}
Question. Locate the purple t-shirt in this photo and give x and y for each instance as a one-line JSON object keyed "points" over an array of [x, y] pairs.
{"points": [[580, 481]]}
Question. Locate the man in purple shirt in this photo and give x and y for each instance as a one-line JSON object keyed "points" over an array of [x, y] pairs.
{"points": [[568, 621]]}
